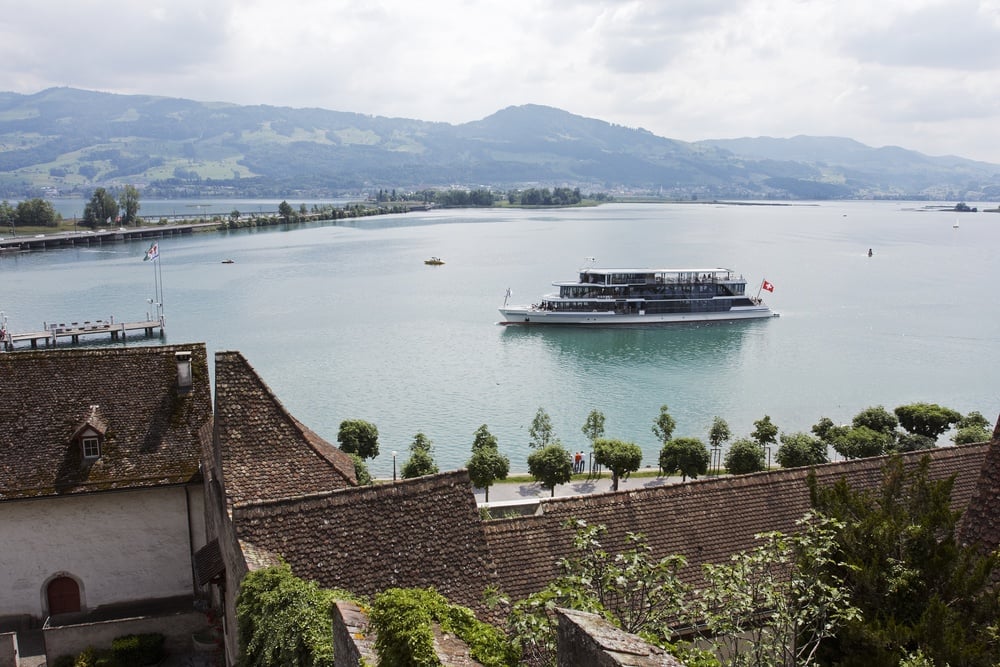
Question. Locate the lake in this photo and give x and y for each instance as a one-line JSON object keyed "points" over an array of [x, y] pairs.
{"points": [[345, 321]]}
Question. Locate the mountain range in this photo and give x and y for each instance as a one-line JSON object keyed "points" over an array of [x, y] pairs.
{"points": [[65, 141]]}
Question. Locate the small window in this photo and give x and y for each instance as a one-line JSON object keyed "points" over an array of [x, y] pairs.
{"points": [[91, 448]]}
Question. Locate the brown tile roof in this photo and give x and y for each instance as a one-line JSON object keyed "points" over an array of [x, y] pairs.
{"points": [[705, 520], [265, 452], [208, 563], [420, 532], [150, 429], [981, 522]]}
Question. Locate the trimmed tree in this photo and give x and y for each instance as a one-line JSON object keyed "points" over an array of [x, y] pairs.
{"points": [[689, 456], [356, 436], [551, 465], [861, 441], [973, 427], [745, 456], [800, 449], [929, 419], [621, 458], [487, 464]]}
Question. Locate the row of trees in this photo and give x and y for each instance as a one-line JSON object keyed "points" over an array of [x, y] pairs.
{"points": [[872, 577], [873, 432], [28, 213]]}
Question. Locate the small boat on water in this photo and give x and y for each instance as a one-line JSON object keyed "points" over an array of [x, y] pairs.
{"points": [[434, 261], [228, 261], [644, 296]]}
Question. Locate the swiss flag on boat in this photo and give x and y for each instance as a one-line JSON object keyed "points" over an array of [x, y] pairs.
{"points": [[768, 286]]}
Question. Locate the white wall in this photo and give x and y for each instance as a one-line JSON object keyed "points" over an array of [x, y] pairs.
{"points": [[122, 546]]}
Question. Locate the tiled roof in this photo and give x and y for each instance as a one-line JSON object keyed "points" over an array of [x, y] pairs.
{"points": [[265, 452], [705, 520], [420, 532], [981, 522], [150, 428], [208, 563]]}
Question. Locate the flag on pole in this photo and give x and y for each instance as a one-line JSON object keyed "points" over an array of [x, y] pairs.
{"points": [[152, 253], [768, 286]]}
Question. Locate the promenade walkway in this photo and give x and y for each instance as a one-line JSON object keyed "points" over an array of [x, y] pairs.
{"points": [[513, 493]]}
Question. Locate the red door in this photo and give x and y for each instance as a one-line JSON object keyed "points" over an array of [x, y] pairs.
{"points": [[64, 596]]}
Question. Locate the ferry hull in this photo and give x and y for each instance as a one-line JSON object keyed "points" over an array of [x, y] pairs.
{"points": [[525, 315]]}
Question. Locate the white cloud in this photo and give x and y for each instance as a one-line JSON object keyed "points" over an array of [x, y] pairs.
{"points": [[915, 73]]}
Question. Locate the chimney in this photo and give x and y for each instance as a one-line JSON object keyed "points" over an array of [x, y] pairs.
{"points": [[183, 370]]}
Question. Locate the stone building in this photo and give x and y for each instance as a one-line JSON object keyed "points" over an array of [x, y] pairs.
{"points": [[101, 502]]}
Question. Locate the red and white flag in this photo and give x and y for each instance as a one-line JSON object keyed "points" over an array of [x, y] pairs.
{"points": [[768, 286]]}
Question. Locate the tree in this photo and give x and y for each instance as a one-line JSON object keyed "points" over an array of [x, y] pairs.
{"points": [[621, 458], [421, 462], [745, 456], [593, 428], [640, 594], [36, 213], [361, 472], [719, 434], [861, 442], [764, 432], [917, 586], [689, 456], [487, 464], [877, 419], [128, 199], [540, 430], [8, 215], [357, 436], [285, 211], [101, 208], [800, 449], [929, 419], [973, 427], [664, 425], [551, 465], [755, 616]]}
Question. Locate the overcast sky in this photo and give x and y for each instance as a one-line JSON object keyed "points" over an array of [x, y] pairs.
{"points": [[921, 74]]}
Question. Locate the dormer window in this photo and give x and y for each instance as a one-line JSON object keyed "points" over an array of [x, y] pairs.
{"points": [[89, 435], [91, 447]]}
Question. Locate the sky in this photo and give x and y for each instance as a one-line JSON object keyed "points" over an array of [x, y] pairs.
{"points": [[920, 74]]}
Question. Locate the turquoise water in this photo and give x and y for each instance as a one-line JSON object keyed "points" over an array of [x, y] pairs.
{"points": [[345, 321]]}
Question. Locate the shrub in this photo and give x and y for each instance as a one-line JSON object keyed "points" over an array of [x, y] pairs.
{"points": [[144, 649]]}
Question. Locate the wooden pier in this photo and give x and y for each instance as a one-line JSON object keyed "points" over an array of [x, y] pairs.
{"points": [[76, 330]]}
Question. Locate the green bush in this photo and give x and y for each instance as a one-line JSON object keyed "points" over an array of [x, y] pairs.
{"points": [[403, 620], [144, 649]]}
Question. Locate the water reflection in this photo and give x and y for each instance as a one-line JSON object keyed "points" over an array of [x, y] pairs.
{"points": [[673, 345]]}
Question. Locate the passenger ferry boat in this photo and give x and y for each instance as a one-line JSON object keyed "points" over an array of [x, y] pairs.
{"points": [[644, 296]]}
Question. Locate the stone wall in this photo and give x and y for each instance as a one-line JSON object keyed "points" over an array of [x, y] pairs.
{"points": [[72, 639], [588, 639]]}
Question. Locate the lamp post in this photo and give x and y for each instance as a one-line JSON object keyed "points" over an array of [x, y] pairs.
{"points": [[394, 465]]}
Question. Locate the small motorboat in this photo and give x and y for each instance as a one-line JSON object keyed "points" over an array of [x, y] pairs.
{"points": [[434, 261], [228, 261]]}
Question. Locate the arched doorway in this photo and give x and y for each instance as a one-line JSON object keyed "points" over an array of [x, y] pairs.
{"points": [[64, 596]]}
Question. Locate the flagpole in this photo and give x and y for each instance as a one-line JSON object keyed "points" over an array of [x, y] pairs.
{"points": [[757, 298], [159, 269]]}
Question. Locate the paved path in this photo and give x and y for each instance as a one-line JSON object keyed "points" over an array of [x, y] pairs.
{"points": [[503, 493]]}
